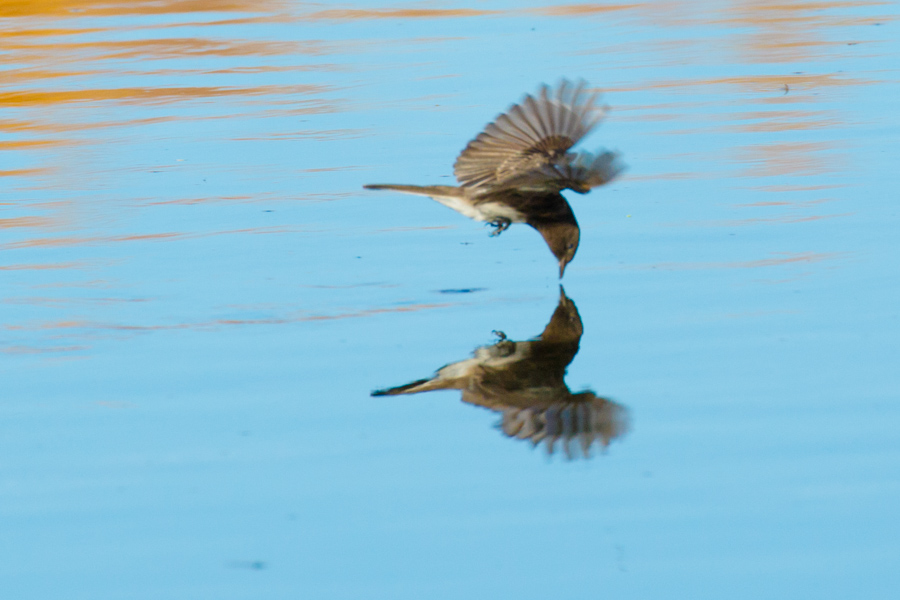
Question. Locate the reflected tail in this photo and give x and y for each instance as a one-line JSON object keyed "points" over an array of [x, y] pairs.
{"points": [[422, 385]]}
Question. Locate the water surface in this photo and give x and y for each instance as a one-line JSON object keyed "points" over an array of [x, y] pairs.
{"points": [[198, 300]]}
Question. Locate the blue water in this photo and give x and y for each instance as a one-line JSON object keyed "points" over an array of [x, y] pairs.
{"points": [[198, 299]]}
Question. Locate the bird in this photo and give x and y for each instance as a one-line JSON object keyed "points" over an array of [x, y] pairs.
{"points": [[525, 382], [514, 170]]}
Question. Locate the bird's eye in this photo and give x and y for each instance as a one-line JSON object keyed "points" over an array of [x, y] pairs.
{"points": [[570, 246]]}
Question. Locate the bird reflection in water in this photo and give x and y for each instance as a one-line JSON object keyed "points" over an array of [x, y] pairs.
{"points": [[524, 382]]}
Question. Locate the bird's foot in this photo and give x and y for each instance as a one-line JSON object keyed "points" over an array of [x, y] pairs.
{"points": [[500, 335], [500, 225]]}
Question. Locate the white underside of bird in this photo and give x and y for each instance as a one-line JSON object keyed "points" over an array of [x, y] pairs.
{"points": [[485, 211], [486, 357]]}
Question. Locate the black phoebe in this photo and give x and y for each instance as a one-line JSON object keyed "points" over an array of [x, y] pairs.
{"points": [[524, 382], [514, 170]]}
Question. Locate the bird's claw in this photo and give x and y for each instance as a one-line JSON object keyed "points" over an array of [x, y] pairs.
{"points": [[500, 225], [500, 335]]}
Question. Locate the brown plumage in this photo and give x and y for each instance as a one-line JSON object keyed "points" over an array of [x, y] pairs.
{"points": [[514, 170], [525, 383]]}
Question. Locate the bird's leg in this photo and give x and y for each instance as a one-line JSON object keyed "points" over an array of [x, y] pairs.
{"points": [[500, 224], [503, 346]]}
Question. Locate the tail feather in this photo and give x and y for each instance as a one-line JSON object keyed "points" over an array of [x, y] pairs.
{"points": [[440, 191]]}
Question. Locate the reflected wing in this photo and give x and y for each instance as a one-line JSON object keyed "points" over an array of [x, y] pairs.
{"points": [[579, 423], [530, 136]]}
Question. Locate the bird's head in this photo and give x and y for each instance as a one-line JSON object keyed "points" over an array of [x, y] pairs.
{"points": [[563, 241]]}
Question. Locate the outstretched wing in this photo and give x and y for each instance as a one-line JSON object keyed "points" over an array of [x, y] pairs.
{"points": [[531, 135]]}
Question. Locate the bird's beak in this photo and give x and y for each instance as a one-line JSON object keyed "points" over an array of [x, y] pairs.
{"points": [[562, 268]]}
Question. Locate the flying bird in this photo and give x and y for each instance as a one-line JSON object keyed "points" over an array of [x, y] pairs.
{"points": [[514, 170]]}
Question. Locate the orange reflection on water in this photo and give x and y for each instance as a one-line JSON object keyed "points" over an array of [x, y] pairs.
{"points": [[82, 69], [797, 188], [140, 95], [774, 84], [206, 200], [25, 172], [75, 8], [804, 203], [771, 31], [577, 10], [316, 135], [64, 325], [276, 320], [798, 159], [49, 325], [83, 241], [785, 259], [785, 120], [791, 30], [786, 92], [409, 13], [152, 49], [44, 32], [24, 222], [146, 237], [42, 266]]}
